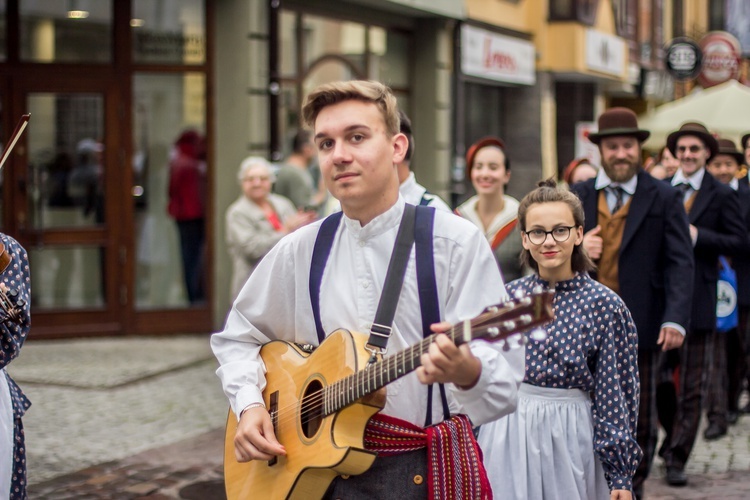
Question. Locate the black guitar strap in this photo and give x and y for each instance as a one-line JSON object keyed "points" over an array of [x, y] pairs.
{"points": [[416, 227]]}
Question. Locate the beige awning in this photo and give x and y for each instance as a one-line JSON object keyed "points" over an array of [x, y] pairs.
{"points": [[723, 109]]}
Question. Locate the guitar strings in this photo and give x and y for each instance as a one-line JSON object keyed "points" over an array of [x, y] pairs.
{"points": [[315, 401]]}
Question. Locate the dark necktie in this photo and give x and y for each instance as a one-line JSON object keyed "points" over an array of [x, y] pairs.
{"points": [[618, 192]]}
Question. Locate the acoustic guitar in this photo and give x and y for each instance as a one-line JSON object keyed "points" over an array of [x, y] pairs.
{"points": [[320, 402]]}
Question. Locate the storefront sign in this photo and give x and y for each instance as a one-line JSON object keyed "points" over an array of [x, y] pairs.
{"points": [[683, 59], [584, 148], [721, 58], [605, 53], [497, 57]]}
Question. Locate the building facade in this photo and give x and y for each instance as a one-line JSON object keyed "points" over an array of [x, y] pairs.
{"points": [[119, 90]]}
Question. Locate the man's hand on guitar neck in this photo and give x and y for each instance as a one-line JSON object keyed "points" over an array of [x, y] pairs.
{"points": [[255, 439], [444, 362]]}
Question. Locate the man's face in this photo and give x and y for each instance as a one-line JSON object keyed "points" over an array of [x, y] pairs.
{"points": [[357, 158], [621, 157], [747, 153], [723, 167], [692, 154]]}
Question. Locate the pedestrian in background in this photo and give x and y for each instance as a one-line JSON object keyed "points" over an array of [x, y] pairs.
{"points": [[258, 219], [294, 179], [413, 192], [15, 321], [716, 228], [561, 443], [187, 206], [491, 210], [728, 369], [666, 159], [579, 170], [637, 233]]}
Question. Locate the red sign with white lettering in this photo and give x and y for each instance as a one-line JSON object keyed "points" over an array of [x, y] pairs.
{"points": [[721, 58]]}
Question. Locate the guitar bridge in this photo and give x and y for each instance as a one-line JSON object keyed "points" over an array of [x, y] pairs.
{"points": [[273, 410]]}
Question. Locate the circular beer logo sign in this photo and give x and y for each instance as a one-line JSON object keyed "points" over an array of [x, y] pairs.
{"points": [[721, 58], [683, 59]]}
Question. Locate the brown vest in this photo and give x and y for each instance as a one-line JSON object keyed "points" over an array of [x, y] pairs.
{"points": [[690, 201], [611, 233]]}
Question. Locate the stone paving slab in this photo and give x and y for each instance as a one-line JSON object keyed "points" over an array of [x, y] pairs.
{"points": [[106, 362]]}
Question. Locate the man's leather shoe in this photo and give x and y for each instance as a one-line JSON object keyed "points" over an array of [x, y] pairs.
{"points": [[714, 431], [732, 417], [676, 477]]}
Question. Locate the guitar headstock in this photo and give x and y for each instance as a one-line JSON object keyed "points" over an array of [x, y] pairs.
{"points": [[519, 314]]}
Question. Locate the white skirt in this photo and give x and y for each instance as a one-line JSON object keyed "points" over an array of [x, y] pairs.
{"points": [[545, 449], [7, 426]]}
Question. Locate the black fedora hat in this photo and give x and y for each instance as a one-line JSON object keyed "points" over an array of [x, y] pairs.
{"points": [[728, 147], [695, 129], [618, 121], [744, 140]]}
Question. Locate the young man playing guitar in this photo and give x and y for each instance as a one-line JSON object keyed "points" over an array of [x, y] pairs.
{"points": [[356, 132]]}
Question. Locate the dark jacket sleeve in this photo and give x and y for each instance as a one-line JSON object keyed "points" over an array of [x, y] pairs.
{"points": [[679, 263]]}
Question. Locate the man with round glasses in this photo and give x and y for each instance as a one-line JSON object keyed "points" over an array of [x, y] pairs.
{"points": [[636, 231], [716, 228]]}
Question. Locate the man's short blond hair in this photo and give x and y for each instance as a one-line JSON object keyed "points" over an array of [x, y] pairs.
{"points": [[360, 90]]}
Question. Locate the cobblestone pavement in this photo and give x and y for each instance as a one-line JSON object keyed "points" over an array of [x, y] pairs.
{"points": [[143, 418]]}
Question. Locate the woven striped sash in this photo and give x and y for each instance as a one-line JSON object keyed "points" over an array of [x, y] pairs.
{"points": [[454, 460]]}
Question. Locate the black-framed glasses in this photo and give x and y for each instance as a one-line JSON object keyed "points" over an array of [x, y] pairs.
{"points": [[539, 236]]}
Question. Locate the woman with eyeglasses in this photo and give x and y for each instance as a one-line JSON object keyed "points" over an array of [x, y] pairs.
{"points": [[258, 219], [491, 210], [573, 434]]}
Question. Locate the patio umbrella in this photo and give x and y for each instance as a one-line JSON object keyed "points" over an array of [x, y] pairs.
{"points": [[723, 109]]}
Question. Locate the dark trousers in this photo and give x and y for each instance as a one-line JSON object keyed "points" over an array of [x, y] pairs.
{"points": [[648, 429], [192, 236], [401, 476], [728, 371], [689, 401], [666, 394]]}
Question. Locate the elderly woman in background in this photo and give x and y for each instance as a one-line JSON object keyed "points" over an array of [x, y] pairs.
{"points": [[258, 219], [491, 210]]}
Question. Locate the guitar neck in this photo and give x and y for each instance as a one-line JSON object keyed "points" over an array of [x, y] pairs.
{"points": [[380, 373], [495, 324]]}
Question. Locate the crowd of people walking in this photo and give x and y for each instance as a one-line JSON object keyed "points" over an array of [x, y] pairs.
{"points": [[635, 249]]}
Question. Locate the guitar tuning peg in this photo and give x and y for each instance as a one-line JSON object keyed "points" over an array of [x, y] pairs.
{"points": [[506, 346], [522, 340], [537, 289], [525, 319]]}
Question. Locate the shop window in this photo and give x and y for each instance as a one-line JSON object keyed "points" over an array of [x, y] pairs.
{"points": [[169, 123], [583, 11], [78, 31], [169, 32]]}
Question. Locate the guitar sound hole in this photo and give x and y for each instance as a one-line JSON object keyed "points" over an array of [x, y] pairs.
{"points": [[311, 410]]}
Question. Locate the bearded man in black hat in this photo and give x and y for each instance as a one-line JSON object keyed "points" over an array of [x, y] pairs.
{"points": [[637, 233], [716, 228]]}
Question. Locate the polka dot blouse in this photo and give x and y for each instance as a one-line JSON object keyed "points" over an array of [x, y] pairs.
{"points": [[591, 345], [13, 333]]}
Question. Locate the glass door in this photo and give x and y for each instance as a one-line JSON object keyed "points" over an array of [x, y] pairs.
{"points": [[66, 210]]}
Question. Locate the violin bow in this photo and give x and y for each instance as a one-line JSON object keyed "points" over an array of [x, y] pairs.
{"points": [[20, 127]]}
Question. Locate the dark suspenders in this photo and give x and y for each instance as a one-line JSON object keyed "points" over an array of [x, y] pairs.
{"points": [[426, 283]]}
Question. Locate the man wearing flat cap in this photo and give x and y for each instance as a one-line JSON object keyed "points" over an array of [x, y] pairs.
{"points": [[716, 228], [728, 367], [637, 233]]}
